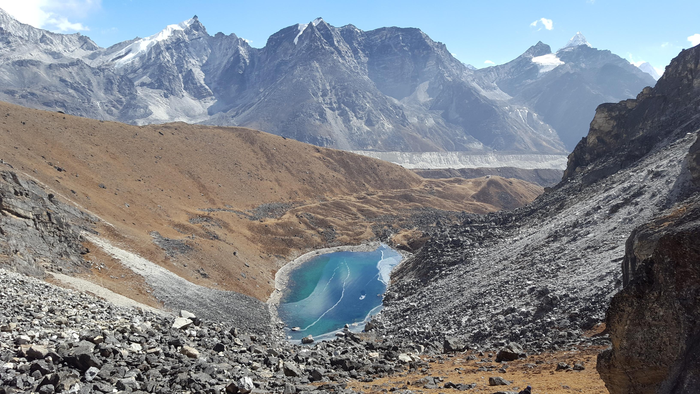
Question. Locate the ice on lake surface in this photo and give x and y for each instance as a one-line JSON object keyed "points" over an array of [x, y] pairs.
{"points": [[335, 289]]}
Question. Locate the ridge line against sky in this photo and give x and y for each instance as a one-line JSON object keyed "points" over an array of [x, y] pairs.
{"points": [[475, 33]]}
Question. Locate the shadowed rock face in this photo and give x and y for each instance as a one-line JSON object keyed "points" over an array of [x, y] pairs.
{"points": [[654, 323]]}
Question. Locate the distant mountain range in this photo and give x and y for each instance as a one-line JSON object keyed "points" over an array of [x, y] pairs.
{"points": [[565, 87], [389, 89]]}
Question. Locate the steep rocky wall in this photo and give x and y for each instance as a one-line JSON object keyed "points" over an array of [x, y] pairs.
{"points": [[37, 231], [654, 323], [621, 133], [694, 163]]}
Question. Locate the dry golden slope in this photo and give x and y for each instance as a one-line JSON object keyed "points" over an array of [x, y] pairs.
{"points": [[186, 182]]}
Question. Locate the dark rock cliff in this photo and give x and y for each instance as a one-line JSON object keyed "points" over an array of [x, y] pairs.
{"points": [[654, 323]]}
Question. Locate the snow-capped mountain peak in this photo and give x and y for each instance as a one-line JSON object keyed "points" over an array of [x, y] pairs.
{"points": [[142, 45], [577, 40], [649, 69], [302, 26]]}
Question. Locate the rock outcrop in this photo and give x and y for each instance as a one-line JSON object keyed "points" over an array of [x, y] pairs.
{"points": [[654, 323], [37, 230], [622, 133]]}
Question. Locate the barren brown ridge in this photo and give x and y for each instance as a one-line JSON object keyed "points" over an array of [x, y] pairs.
{"points": [[228, 206]]}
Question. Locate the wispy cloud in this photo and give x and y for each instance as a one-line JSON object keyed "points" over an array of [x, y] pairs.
{"points": [[489, 62], [694, 39], [547, 23], [56, 15]]}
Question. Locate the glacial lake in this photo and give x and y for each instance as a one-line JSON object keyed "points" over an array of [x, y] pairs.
{"points": [[334, 289]]}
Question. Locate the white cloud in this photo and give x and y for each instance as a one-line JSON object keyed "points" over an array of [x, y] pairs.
{"points": [[56, 15], [247, 40], [547, 23], [489, 62], [694, 39]]}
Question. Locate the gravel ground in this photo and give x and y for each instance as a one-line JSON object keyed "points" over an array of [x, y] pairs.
{"points": [[540, 275], [177, 293]]}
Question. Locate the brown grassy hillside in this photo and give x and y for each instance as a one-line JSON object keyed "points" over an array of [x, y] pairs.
{"points": [[229, 205]]}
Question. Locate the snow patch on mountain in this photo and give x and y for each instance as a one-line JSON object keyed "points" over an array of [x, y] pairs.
{"points": [[140, 47], [301, 27], [547, 62]]}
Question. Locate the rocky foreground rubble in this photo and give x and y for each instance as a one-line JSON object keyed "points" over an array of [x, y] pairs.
{"points": [[58, 340]]}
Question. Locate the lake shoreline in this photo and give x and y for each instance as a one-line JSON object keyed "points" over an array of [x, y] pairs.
{"points": [[282, 276]]}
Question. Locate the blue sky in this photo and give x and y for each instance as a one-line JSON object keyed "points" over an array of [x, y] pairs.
{"points": [[476, 32]]}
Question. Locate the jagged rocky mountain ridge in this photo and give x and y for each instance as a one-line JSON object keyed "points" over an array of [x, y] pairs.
{"points": [[543, 274], [566, 86], [389, 89]]}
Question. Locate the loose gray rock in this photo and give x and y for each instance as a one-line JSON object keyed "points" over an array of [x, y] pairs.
{"points": [[91, 374], [181, 323], [498, 381], [291, 370], [510, 353], [453, 344], [37, 352], [190, 352], [243, 385], [289, 388]]}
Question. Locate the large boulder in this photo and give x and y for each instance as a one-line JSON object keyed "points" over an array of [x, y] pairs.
{"points": [[654, 322], [511, 352], [453, 345]]}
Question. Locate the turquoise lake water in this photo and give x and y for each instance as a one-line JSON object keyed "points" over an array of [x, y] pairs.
{"points": [[335, 289]]}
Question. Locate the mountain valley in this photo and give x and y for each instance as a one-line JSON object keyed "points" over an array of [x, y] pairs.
{"points": [[147, 225]]}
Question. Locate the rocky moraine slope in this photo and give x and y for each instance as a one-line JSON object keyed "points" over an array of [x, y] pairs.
{"points": [[543, 274]]}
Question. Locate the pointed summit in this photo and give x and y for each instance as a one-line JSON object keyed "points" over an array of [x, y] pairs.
{"points": [[649, 69], [538, 49], [577, 40]]}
